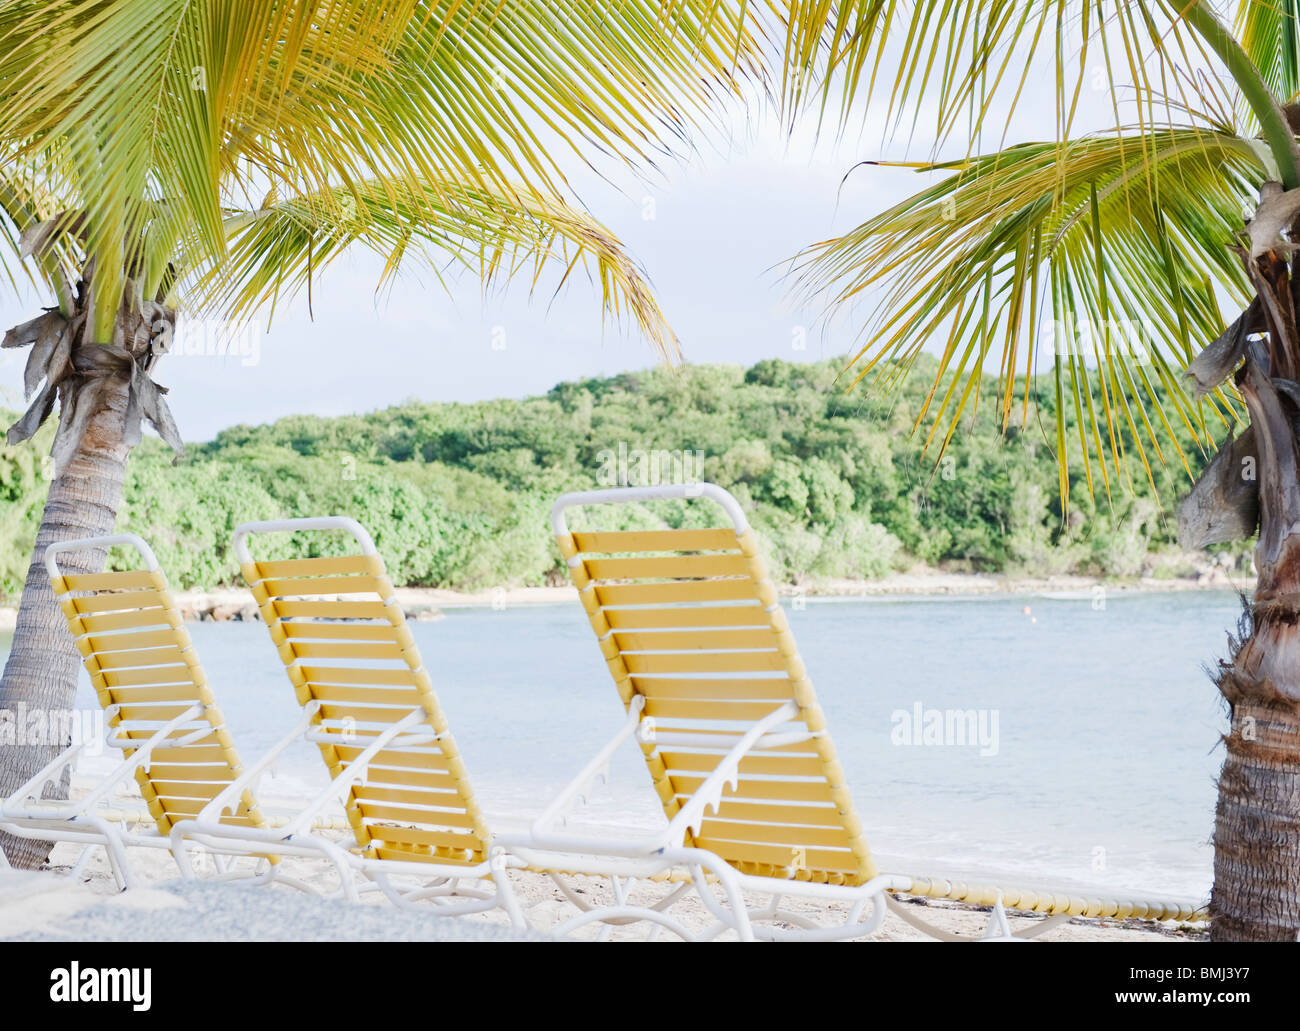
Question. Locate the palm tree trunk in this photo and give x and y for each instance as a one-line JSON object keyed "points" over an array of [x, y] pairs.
{"points": [[41, 671], [1257, 821]]}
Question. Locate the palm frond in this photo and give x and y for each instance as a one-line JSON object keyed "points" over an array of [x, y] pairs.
{"points": [[142, 95], [27, 200], [1269, 32], [277, 249], [164, 110], [1125, 236], [969, 61]]}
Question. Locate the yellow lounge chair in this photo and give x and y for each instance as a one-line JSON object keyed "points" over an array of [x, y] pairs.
{"points": [[160, 715], [736, 745], [368, 704]]}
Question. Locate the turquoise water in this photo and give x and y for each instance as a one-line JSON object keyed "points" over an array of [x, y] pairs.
{"points": [[1106, 746]]}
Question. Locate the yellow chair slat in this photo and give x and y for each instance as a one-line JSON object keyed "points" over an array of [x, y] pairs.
{"points": [[675, 709], [668, 593], [345, 565], [421, 836], [166, 655], [409, 814], [142, 694], [705, 662], [694, 640], [765, 790], [776, 834], [108, 621], [197, 753], [415, 760], [164, 771], [147, 600], [402, 856], [373, 792], [763, 765], [615, 541], [147, 675], [400, 677], [761, 812], [682, 617], [779, 857], [290, 609], [714, 688], [132, 641], [409, 698], [186, 788], [297, 630], [170, 741], [346, 650], [667, 568], [193, 806], [433, 780], [362, 713], [310, 586], [685, 729], [159, 713], [136, 579]]}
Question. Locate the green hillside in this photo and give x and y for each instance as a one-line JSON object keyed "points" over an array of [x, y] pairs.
{"points": [[457, 495]]}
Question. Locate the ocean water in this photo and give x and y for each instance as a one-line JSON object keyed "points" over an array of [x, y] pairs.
{"points": [[1100, 773]]}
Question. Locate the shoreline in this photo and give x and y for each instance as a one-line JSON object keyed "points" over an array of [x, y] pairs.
{"points": [[423, 604]]}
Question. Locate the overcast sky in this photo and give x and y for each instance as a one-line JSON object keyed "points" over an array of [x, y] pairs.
{"points": [[721, 224]]}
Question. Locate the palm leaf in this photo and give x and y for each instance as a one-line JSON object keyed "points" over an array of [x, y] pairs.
{"points": [[163, 111], [1269, 32], [279, 248], [1126, 234], [970, 61]]}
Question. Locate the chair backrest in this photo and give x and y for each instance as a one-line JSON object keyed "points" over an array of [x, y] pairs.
{"points": [[145, 673], [690, 619], [346, 646]]}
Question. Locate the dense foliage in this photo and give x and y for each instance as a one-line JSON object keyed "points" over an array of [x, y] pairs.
{"points": [[457, 495]]}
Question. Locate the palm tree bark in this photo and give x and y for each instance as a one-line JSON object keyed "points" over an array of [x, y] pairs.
{"points": [[41, 671], [1256, 893]]}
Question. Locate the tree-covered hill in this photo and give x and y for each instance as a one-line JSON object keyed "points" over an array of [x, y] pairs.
{"points": [[457, 495]]}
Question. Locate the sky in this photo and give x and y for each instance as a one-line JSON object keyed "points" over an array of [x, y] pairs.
{"points": [[711, 233]]}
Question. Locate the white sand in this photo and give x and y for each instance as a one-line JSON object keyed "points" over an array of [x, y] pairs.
{"points": [[44, 906]]}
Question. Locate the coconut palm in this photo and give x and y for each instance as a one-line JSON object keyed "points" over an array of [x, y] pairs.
{"points": [[136, 135], [1133, 239]]}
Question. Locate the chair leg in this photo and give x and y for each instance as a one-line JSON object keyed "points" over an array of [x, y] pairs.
{"points": [[118, 860], [998, 929], [506, 892]]}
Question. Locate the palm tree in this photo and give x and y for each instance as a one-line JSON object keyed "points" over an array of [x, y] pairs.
{"points": [[1132, 237], [134, 135]]}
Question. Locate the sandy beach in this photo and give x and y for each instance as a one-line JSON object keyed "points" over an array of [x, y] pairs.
{"points": [[63, 910], [50, 906]]}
